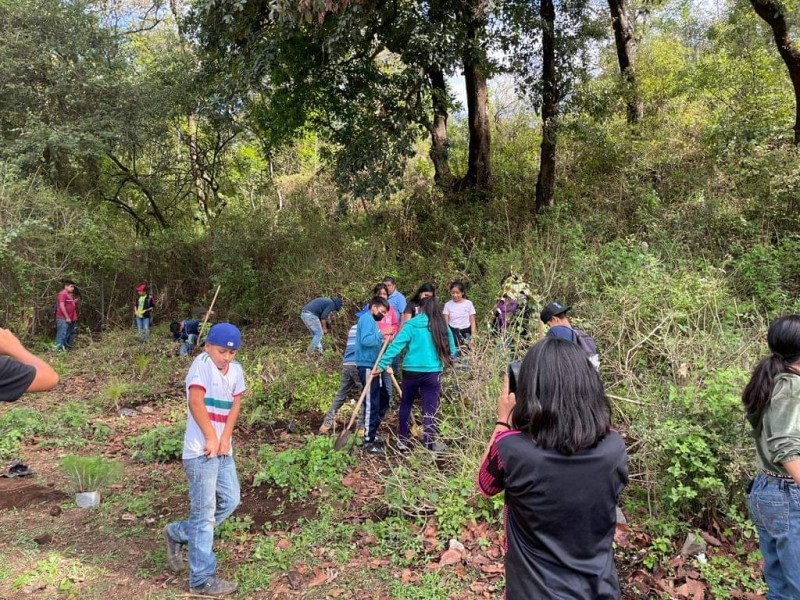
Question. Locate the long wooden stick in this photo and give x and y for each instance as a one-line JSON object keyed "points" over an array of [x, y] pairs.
{"points": [[208, 314], [342, 439]]}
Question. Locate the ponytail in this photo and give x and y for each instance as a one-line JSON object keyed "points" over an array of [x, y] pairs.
{"points": [[758, 390], [438, 328], [783, 338]]}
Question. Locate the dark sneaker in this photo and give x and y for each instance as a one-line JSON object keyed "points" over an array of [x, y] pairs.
{"points": [[175, 560], [214, 586], [373, 448]]}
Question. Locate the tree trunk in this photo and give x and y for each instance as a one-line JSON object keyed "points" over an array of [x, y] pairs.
{"points": [[772, 12], [196, 168], [623, 39], [479, 158], [440, 145], [547, 159]]}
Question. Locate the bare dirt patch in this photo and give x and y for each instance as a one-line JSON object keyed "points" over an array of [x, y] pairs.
{"points": [[265, 505], [22, 492]]}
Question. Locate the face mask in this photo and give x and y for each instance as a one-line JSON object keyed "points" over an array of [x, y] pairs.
{"points": [[378, 317]]}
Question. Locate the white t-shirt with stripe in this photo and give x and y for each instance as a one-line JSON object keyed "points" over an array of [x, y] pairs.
{"points": [[219, 393]]}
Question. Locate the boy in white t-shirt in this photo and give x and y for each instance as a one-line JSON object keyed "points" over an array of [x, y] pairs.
{"points": [[214, 387]]}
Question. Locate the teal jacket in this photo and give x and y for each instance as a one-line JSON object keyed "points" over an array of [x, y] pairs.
{"points": [[368, 340], [421, 355]]}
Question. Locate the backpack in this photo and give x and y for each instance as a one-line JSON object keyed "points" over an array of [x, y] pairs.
{"points": [[587, 344]]}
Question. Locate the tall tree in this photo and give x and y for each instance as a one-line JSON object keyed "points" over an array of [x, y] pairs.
{"points": [[623, 41], [345, 66], [546, 47], [773, 13], [475, 75], [545, 182]]}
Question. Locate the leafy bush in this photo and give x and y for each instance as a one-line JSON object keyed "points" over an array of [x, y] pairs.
{"points": [[90, 473], [316, 466], [15, 425], [158, 444]]}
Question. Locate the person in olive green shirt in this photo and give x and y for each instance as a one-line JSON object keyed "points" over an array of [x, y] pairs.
{"points": [[772, 402]]}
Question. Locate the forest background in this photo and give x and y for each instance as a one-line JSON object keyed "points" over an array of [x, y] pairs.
{"points": [[638, 161]]}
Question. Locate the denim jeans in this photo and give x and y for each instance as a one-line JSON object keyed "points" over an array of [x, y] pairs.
{"points": [[143, 327], [315, 327], [348, 383], [213, 495], [187, 345], [774, 505], [65, 334]]}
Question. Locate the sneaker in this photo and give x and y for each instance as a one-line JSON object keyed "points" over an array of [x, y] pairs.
{"points": [[175, 560], [374, 448], [325, 428], [438, 447], [403, 446], [214, 586]]}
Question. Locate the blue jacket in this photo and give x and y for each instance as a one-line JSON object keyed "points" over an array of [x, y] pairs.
{"points": [[368, 340], [421, 355]]}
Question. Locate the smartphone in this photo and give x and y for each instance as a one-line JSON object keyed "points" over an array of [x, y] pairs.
{"points": [[513, 375]]}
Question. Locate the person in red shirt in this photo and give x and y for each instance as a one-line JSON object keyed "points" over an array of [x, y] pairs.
{"points": [[66, 316]]}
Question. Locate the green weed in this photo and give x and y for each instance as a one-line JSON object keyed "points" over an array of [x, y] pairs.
{"points": [[300, 470], [159, 444]]}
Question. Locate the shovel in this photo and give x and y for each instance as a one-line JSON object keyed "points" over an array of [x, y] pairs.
{"points": [[341, 441]]}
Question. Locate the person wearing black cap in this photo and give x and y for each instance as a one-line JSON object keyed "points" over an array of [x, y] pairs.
{"points": [[554, 315], [315, 316]]}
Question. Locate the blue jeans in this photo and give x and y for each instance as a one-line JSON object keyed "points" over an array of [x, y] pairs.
{"points": [[187, 345], [143, 327], [774, 506], [65, 334], [213, 495], [315, 327]]}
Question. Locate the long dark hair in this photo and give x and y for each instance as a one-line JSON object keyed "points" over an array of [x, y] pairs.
{"points": [[783, 338], [560, 399], [438, 328], [425, 287], [378, 287]]}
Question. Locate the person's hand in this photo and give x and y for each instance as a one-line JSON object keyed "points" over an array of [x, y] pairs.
{"points": [[212, 447], [505, 402], [376, 371], [9, 343], [224, 445], [389, 370]]}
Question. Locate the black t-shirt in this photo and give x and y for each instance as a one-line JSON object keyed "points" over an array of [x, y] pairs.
{"points": [[560, 516], [15, 378]]}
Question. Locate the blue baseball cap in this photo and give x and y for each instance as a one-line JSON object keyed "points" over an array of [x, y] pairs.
{"points": [[225, 335]]}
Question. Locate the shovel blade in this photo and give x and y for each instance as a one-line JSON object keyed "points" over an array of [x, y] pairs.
{"points": [[341, 441]]}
